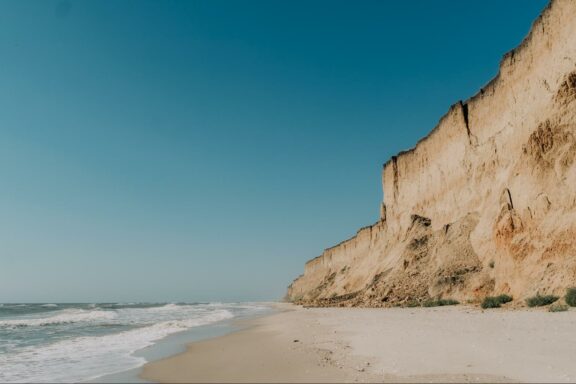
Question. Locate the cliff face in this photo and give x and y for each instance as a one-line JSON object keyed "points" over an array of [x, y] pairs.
{"points": [[486, 203]]}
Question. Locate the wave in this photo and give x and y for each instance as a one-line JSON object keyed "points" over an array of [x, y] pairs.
{"points": [[167, 307], [130, 305], [128, 315], [89, 357], [67, 316]]}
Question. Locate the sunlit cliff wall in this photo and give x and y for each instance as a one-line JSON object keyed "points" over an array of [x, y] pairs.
{"points": [[486, 203]]}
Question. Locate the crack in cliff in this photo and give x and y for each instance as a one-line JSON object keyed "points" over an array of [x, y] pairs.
{"points": [[395, 179], [464, 106]]}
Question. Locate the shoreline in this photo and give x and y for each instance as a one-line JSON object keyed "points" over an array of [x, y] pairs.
{"points": [[445, 344], [177, 343], [169, 346]]}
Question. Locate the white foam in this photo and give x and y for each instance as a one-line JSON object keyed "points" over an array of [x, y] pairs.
{"points": [[49, 305], [89, 357], [167, 307], [66, 316]]}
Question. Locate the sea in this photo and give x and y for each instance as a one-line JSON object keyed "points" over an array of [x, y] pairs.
{"points": [[82, 342]]}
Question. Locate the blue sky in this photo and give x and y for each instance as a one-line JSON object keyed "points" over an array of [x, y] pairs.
{"points": [[204, 150]]}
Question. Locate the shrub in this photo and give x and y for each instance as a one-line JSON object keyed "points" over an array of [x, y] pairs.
{"points": [[571, 297], [448, 302], [491, 265], [495, 301], [539, 301], [440, 303], [504, 299], [558, 308], [490, 302]]}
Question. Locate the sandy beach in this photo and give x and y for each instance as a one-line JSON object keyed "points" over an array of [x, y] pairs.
{"points": [[448, 344]]}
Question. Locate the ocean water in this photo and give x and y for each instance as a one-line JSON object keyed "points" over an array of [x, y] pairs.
{"points": [[79, 342]]}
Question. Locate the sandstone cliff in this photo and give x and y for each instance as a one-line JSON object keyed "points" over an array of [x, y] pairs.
{"points": [[486, 203]]}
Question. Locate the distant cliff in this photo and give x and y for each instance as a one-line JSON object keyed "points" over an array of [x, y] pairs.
{"points": [[485, 204]]}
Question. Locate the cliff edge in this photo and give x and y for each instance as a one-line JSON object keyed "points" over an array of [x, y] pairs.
{"points": [[485, 204]]}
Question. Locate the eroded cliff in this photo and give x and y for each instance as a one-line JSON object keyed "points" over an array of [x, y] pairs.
{"points": [[486, 203]]}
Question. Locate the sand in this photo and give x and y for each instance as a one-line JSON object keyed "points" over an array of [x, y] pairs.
{"points": [[445, 344]]}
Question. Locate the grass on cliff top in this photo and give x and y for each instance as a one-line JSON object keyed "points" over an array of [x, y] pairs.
{"points": [[495, 301], [440, 302], [570, 297], [539, 301]]}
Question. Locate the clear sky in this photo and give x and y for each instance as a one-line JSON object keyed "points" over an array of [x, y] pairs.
{"points": [[204, 150]]}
